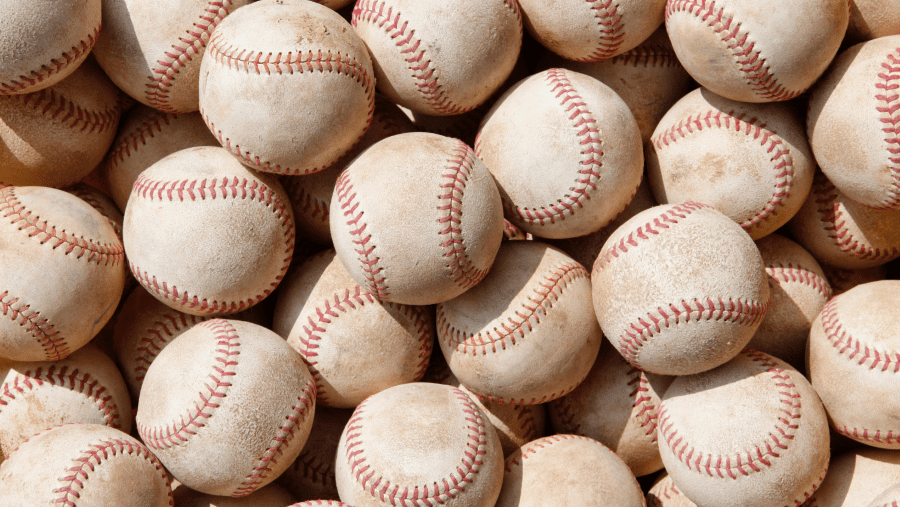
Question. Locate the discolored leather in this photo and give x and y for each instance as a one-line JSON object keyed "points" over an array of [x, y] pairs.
{"points": [[516, 425], [153, 51], [226, 407], [85, 465], [353, 344], [526, 334], [618, 406], [311, 475], [62, 272], [419, 441], [750, 161], [272, 495], [751, 432], [420, 219], [568, 470], [664, 493], [842, 280], [440, 58], [857, 477], [287, 86], [565, 151], [871, 19], [679, 289]]}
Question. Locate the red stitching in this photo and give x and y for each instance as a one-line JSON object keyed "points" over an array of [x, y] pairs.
{"points": [[91, 196], [439, 491], [665, 489], [375, 279], [75, 477], [750, 63], [70, 57], [54, 105], [887, 95], [761, 453], [313, 468], [780, 274], [157, 336], [12, 210], [781, 157], [863, 354], [55, 346], [304, 202], [138, 137], [243, 60], [648, 412], [612, 30], [299, 413], [215, 188], [647, 55], [831, 213], [530, 449], [880, 436], [228, 348], [162, 76], [68, 378]]}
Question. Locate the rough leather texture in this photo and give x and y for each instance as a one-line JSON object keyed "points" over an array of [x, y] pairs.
{"points": [[871, 19], [516, 425], [311, 194], [760, 439], [853, 360], [568, 470], [62, 271], [618, 406], [272, 495], [84, 465], [592, 30], [267, 58], [889, 498], [231, 230], [857, 477], [44, 41], [843, 233], [532, 313], [311, 475], [418, 219], [565, 151], [761, 51], [226, 407], [842, 280], [679, 289], [424, 52], [353, 344], [419, 444], [664, 493], [153, 51], [750, 161], [853, 123], [145, 137], [56, 136]]}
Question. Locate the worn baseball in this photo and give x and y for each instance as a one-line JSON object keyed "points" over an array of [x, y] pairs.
{"points": [[516, 425], [311, 475], [86, 387], [568, 470], [565, 151], [526, 334], [196, 398], [56, 136], [857, 477], [843, 233], [852, 123], [100, 202], [798, 291], [618, 406], [871, 19], [438, 58], [750, 161], [419, 444], [230, 229], [761, 438], [852, 349], [62, 269], [320, 503], [146, 136], [353, 344], [760, 51], [272, 495], [889, 498], [664, 493], [842, 280], [267, 58], [44, 41], [679, 289], [311, 194], [86, 465], [418, 219], [153, 51]]}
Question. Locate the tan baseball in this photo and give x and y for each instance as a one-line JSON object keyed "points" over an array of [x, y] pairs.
{"points": [[856, 478], [267, 58], [664, 493], [871, 19], [761, 51], [272, 495], [565, 151], [311, 475], [516, 425], [44, 41], [196, 398], [889, 498], [842, 280], [761, 438]]}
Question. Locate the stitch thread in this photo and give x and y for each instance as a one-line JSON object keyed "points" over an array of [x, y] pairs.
{"points": [[67, 58], [215, 188], [55, 346], [752, 65], [863, 354], [86, 194], [314, 210], [647, 55], [140, 136], [648, 412], [314, 469], [52, 104], [162, 76], [376, 282], [887, 95], [781, 274], [530, 449], [157, 336], [780, 154], [611, 27], [669, 491]]}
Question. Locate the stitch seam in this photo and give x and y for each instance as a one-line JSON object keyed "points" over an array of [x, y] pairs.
{"points": [[52, 104], [57, 65], [140, 136], [55, 346], [157, 336], [843, 342], [86, 194], [646, 55], [376, 280], [781, 274], [887, 95], [528, 450], [611, 28], [647, 410]]}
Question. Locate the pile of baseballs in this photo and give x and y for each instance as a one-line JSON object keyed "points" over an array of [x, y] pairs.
{"points": [[476, 253]]}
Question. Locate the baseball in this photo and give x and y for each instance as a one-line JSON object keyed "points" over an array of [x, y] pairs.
{"points": [[890, 498], [664, 493], [762, 51], [272, 495], [871, 19], [857, 477], [516, 425], [842, 280], [272, 55], [311, 475]]}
